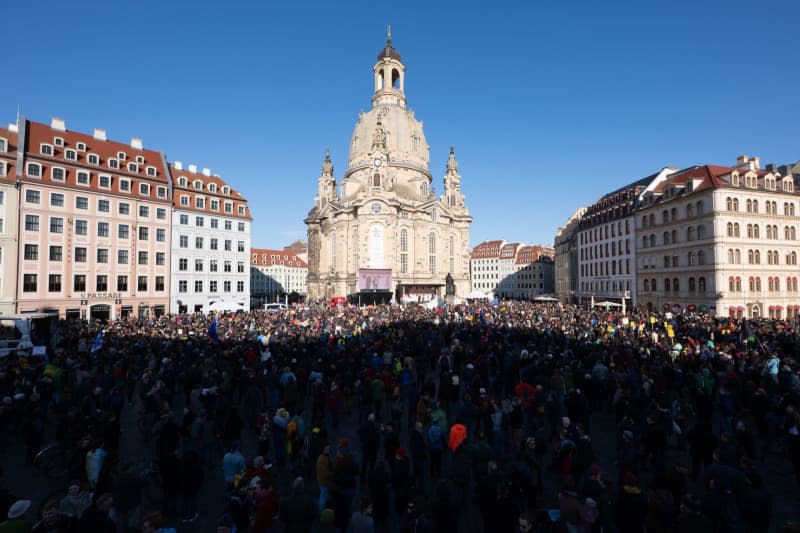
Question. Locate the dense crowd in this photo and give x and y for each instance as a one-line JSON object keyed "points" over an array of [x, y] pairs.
{"points": [[486, 407]]}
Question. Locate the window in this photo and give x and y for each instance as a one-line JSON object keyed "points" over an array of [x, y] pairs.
{"points": [[226, 285], [212, 286], [122, 283], [199, 222], [212, 265], [200, 203], [80, 255], [144, 233], [133, 167], [159, 283], [32, 196], [228, 207], [240, 286], [72, 155], [103, 206], [81, 202], [198, 243], [160, 258], [122, 257], [184, 219], [241, 226], [182, 285], [101, 283], [183, 241], [183, 264], [29, 283], [184, 200], [79, 283], [198, 286], [57, 173], [701, 257], [214, 245], [161, 235], [228, 225], [198, 265], [214, 223], [144, 211], [102, 229], [151, 171], [56, 225], [214, 205], [141, 283], [123, 231], [34, 170], [240, 246], [692, 285], [226, 266], [46, 149], [31, 252], [93, 159], [161, 213], [228, 246], [144, 189], [56, 199], [142, 258], [31, 222], [83, 178], [102, 255]]}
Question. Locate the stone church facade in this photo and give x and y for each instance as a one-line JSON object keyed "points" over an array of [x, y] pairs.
{"points": [[384, 215]]}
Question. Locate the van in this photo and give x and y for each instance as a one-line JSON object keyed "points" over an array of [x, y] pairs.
{"points": [[275, 307]]}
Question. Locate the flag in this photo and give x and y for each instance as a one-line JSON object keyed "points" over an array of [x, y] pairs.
{"points": [[212, 330], [98, 342]]}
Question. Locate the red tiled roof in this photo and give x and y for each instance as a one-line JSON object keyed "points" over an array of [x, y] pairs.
{"points": [[267, 257], [9, 157], [190, 191], [533, 252], [486, 249]]}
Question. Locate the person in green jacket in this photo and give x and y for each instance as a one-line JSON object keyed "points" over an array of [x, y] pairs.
{"points": [[378, 395]]}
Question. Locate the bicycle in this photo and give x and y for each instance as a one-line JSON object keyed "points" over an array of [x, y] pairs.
{"points": [[52, 461]]}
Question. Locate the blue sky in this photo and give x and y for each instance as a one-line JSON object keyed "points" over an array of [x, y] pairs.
{"points": [[549, 104]]}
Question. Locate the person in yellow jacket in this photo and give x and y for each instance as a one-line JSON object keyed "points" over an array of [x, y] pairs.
{"points": [[324, 475]]}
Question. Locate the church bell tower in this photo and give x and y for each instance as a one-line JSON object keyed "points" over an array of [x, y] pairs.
{"points": [[390, 75]]}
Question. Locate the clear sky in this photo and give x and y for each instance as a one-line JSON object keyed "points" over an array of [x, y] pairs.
{"points": [[549, 103]]}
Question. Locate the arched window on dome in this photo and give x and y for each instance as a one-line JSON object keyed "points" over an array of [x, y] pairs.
{"points": [[376, 180], [423, 190], [396, 79]]}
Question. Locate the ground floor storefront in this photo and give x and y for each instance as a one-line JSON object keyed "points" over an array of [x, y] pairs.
{"points": [[101, 306]]}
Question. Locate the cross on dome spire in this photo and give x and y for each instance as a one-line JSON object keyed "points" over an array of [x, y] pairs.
{"points": [[389, 35]]}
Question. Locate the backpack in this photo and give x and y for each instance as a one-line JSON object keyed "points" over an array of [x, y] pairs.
{"points": [[435, 440]]}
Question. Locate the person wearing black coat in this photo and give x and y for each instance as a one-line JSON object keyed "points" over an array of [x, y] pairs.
{"points": [[299, 510], [190, 480], [419, 452], [95, 518], [401, 480], [370, 438], [756, 503], [379, 496]]}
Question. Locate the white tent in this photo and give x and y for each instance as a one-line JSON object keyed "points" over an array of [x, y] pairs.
{"points": [[433, 304], [607, 303], [477, 295], [545, 298], [223, 306]]}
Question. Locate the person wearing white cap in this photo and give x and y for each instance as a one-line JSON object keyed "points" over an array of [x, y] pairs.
{"points": [[17, 523]]}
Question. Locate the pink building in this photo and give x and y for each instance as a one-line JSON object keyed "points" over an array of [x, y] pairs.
{"points": [[94, 224]]}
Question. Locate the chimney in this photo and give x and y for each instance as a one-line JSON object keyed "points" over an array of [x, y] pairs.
{"points": [[193, 168], [756, 163], [742, 159], [58, 124], [136, 144], [771, 167], [206, 172], [99, 134], [178, 165], [12, 127]]}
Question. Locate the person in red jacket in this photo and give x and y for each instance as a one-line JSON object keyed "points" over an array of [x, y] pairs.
{"points": [[266, 507]]}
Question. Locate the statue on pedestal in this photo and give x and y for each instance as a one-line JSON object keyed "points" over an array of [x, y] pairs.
{"points": [[450, 285]]}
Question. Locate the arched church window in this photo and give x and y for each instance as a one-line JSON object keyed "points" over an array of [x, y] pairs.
{"points": [[423, 190], [376, 180], [403, 240]]}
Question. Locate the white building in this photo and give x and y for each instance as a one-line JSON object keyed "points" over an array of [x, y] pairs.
{"points": [[275, 274], [9, 214], [607, 246], [211, 226], [566, 258], [512, 270]]}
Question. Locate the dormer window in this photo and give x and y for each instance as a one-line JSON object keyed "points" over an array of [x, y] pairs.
{"points": [[72, 155], [151, 171], [93, 159], [34, 170], [198, 185], [46, 149], [124, 185], [133, 167], [788, 186], [81, 147], [58, 141], [113, 163], [735, 179], [212, 187], [184, 200], [241, 210], [161, 192], [57, 173], [226, 190], [83, 178], [121, 156], [140, 159], [182, 182], [144, 189]]}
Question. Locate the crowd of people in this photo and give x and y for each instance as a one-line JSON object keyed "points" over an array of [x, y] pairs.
{"points": [[470, 417]]}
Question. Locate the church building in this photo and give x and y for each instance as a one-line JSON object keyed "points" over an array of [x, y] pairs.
{"points": [[382, 229]]}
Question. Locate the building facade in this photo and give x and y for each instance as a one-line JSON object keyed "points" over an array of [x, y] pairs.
{"points": [[722, 240], [385, 216], [607, 245], [565, 260], [94, 224], [211, 228], [512, 270], [9, 217], [274, 274]]}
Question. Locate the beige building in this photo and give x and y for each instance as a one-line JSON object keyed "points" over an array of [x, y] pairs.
{"points": [[9, 216], [566, 258], [384, 220], [720, 239], [512, 270]]}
